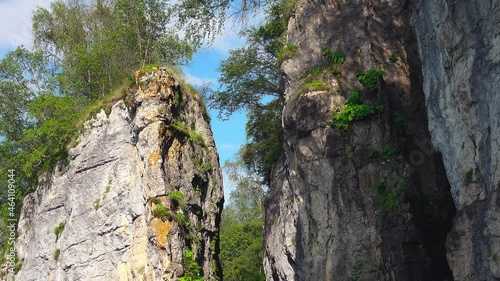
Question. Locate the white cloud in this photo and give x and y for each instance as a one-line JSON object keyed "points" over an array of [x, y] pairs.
{"points": [[199, 81], [15, 21]]}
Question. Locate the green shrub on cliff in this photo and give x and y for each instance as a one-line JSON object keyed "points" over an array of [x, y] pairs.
{"points": [[369, 78], [192, 270], [354, 110]]}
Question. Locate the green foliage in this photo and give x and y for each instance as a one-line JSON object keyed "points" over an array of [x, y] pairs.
{"points": [[335, 71], [176, 195], [494, 257], [95, 60], [334, 57], [398, 118], [389, 150], [190, 133], [264, 131], [57, 253], [197, 138], [182, 219], [313, 81], [250, 80], [192, 270], [155, 200], [161, 212], [354, 99], [381, 187], [287, 52], [393, 58], [369, 78], [354, 110], [357, 272], [468, 176], [389, 201], [242, 226], [59, 229], [373, 153]]}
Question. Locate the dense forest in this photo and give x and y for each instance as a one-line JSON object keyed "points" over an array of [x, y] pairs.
{"points": [[83, 58]]}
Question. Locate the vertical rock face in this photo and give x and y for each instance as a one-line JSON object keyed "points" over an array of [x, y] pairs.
{"points": [[459, 43], [140, 199], [371, 202], [341, 205]]}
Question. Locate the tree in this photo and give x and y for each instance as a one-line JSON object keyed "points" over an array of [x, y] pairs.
{"points": [[242, 226], [94, 46], [251, 80], [202, 20]]}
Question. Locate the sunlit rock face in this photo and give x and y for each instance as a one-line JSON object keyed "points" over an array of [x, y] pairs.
{"points": [[409, 193], [142, 191]]}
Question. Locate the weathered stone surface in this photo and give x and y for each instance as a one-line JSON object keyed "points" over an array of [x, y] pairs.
{"points": [[459, 43], [326, 219], [124, 166]]}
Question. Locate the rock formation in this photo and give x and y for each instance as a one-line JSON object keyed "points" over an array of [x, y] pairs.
{"points": [[140, 198], [377, 201]]}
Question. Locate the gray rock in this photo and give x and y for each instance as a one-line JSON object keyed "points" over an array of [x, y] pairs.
{"points": [[459, 44], [104, 197], [327, 217]]}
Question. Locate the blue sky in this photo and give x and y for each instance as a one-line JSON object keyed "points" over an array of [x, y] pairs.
{"points": [[15, 30]]}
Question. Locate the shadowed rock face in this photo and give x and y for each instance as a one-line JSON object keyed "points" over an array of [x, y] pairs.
{"points": [[459, 45], [327, 215], [138, 192]]}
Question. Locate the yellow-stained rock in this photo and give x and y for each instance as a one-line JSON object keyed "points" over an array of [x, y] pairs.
{"points": [[161, 229], [154, 157]]}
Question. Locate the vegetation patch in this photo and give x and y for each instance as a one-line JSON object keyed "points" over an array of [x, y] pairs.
{"points": [[354, 110], [468, 176], [192, 270], [398, 118], [202, 167], [373, 153], [155, 200], [59, 229], [313, 81], [57, 253], [357, 272], [182, 219], [288, 51], [389, 150], [389, 200], [161, 212], [393, 58], [177, 198], [190, 133], [334, 57], [369, 78]]}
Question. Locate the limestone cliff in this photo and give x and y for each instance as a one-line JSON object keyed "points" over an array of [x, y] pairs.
{"points": [[459, 45], [377, 201], [140, 199]]}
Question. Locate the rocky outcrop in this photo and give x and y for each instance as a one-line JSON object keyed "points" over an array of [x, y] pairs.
{"points": [[373, 202], [140, 198], [459, 43]]}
